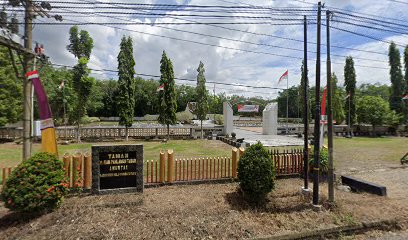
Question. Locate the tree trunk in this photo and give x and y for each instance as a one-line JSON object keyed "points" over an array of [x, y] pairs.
{"points": [[126, 133], [78, 133], [168, 132], [202, 129]]}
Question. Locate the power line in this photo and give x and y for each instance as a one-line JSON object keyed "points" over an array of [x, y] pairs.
{"points": [[181, 79]]}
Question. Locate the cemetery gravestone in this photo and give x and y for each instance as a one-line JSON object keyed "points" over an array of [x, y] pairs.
{"points": [[117, 168]]}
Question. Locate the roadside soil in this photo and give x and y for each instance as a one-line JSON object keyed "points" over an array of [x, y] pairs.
{"points": [[208, 211]]}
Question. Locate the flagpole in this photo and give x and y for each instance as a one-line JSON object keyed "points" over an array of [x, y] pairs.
{"points": [[287, 104]]}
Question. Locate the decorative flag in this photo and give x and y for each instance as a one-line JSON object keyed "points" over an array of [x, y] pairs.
{"points": [[323, 111], [405, 97], [48, 137], [284, 76], [62, 85], [160, 88]]}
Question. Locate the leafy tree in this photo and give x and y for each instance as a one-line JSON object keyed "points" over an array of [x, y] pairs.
{"points": [[376, 111], [397, 85], [185, 94], [109, 92], [377, 89], [10, 91], [146, 97], [294, 103], [81, 47], [337, 101], [350, 85], [57, 95], [202, 96], [167, 97], [126, 82]]}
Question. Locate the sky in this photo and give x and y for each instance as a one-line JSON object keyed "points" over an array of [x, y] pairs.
{"points": [[262, 68]]}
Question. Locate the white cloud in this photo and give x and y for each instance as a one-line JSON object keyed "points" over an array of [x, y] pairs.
{"points": [[224, 65]]}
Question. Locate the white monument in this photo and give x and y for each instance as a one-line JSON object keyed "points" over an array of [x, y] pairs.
{"points": [[270, 119], [228, 118]]}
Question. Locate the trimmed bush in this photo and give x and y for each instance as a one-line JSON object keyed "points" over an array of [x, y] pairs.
{"points": [[256, 173], [37, 184]]}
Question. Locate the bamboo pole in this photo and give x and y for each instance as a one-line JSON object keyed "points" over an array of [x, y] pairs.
{"points": [[67, 167], [87, 171], [234, 162], [4, 178], [162, 166], [170, 165], [76, 169]]}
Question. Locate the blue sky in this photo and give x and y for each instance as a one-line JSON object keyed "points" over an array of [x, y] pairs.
{"points": [[226, 65]]}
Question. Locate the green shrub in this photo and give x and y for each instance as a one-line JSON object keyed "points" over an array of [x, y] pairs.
{"points": [[219, 119], [324, 159], [256, 173], [36, 184], [184, 117], [88, 120]]}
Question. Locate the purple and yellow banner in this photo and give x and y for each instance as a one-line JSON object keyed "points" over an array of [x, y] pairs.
{"points": [[48, 136]]}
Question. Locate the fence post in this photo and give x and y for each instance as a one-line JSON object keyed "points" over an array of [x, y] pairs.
{"points": [[76, 169], [87, 171], [234, 162], [162, 166], [170, 165], [241, 151], [67, 168]]}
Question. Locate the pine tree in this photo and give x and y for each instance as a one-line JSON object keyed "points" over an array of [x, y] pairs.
{"points": [[202, 96], [338, 110], [350, 85], [81, 47], [126, 84], [167, 97], [397, 85]]}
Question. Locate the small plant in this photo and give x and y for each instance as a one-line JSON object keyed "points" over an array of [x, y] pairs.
{"points": [[324, 159], [256, 173], [233, 135], [37, 184]]}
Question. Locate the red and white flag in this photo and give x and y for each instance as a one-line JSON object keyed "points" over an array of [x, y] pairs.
{"points": [[160, 88], [405, 97], [284, 76]]}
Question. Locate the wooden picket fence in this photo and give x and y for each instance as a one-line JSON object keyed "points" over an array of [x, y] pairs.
{"points": [[287, 161], [167, 169]]}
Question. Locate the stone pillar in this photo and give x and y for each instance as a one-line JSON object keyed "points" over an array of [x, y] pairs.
{"points": [[228, 118], [270, 119]]}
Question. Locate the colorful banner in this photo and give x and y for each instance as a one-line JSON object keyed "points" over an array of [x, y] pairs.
{"points": [[248, 108], [48, 136]]}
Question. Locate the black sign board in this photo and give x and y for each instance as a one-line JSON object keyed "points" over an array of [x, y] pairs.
{"points": [[117, 168]]}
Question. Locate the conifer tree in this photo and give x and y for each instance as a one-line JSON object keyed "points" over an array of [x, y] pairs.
{"points": [[397, 85], [126, 84], [167, 97], [350, 85], [202, 96]]}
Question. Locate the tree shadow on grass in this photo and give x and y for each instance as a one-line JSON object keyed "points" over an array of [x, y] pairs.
{"points": [[285, 203]]}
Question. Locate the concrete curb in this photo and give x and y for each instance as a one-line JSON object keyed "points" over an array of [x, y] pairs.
{"points": [[336, 231]]}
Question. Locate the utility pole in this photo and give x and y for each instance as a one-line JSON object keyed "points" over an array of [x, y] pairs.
{"points": [[329, 110], [306, 111], [316, 163], [27, 86]]}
